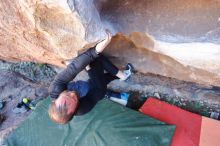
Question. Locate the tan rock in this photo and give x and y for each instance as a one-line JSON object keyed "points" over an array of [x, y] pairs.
{"points": [[157, 36], [34, 31], [122, 50]]}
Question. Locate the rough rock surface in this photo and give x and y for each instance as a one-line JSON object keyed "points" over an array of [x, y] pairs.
{"points": [[166, 20], [50, 31], [125, 49]]}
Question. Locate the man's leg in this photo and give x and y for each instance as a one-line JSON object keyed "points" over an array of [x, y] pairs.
{"points": [[109, 77], [99, 80], [114, 71], [108, 66], [111, 69], [96, 72]]}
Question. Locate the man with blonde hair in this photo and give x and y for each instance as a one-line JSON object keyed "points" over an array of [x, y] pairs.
{"points": [[79, 97]]}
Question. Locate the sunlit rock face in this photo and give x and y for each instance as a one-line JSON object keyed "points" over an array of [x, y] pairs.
{"points": [[174, 38], [42, 31]]}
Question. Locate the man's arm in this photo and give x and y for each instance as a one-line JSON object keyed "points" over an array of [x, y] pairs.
{"points": [[78, 64]]}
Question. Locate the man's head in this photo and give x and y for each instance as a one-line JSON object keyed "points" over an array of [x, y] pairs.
{"points": [[62, 109]]}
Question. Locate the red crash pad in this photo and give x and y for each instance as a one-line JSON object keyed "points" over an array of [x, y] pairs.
{"points": [[188, 125]]}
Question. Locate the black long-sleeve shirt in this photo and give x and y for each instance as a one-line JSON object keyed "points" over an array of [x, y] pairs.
{"points": [[61, 81], [94, 93]]}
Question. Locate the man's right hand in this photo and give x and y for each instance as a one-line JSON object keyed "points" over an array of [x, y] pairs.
{"points": [[101, 46]]}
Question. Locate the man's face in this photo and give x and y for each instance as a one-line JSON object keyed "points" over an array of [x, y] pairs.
{"points": [[69, 98]]}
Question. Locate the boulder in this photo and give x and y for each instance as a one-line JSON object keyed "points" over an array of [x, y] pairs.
{"points": [[178, 38], [124, 49]]}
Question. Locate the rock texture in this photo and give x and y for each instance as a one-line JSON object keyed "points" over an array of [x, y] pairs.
{"points": [[169, 37], [125, 49], [42, 31], [167, 20]]}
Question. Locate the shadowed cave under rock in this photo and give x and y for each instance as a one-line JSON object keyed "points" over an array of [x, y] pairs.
{"points": [[168, 38]]}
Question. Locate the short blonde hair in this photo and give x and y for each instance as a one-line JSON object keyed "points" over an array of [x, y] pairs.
{"points": [[59, 114]]}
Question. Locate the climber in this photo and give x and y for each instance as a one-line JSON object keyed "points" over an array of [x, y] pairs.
{"points": [[78, 97]]}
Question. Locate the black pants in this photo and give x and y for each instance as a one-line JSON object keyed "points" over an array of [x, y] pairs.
{"points": [[98, 81], [98, 78]]}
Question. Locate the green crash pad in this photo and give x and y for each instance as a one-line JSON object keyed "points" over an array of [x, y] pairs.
{"points": [[108, 124]]}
